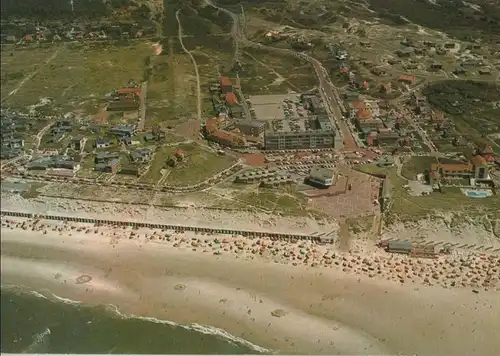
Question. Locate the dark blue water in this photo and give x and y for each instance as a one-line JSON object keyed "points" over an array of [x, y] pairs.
{"points": [[33, 324]]}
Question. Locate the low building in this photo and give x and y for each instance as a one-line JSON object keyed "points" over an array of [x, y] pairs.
{"points": [[112, 166], [225, 85], [404, 247], [300, 134], [105, 157], [179, 155], [129, 91], [251, 127], [215, 124], [386, 88], [407, 79], [387, 138], [102, 143], [125, 140], [322, 177], [255, 176], [231, 98], [13, 143], [459, 173], [385, 161], [76, 143], [227, 138], [123, 130], [369, 124], [141, 155], [124, 104]]}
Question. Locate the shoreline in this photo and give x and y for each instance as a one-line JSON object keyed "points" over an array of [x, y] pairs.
{"points": [[113, 309], [238, 291]]}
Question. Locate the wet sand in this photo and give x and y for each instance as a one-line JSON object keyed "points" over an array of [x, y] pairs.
{"points": [[277, 305]]}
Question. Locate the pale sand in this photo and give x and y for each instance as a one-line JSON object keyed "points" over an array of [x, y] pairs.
{"points": [[327, 311]]}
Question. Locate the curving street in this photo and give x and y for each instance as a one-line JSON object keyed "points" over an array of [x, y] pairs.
{"points": [[327, 89]]}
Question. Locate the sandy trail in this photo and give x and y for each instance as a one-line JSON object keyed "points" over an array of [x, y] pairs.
{"points": [[326, 311], [31, 75], [198, 87]]}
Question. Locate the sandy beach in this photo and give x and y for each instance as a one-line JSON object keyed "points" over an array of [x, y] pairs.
{"points": [[282, 305]]}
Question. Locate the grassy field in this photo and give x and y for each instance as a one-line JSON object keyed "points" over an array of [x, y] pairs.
{"points": [[158, 163], [199, 165], [77, 75], [416, 165], [171, 88], [20, 63]]}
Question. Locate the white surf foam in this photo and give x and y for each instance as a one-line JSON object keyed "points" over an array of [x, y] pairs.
{"points": [[65, 300], [39, 295], [204, 329]]}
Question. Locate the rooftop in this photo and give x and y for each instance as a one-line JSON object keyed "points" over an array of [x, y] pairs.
{"points": [[478, 161], [321, 173], [251, 123], [300, 125]]}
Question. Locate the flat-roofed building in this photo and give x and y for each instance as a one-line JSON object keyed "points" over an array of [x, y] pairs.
{"points": [[251, 127], [227, 138], [299, 134], [321, 177]]}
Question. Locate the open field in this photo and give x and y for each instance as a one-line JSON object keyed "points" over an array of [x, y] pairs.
{"points": [[18, 64], [416, 165], [198, 165], [171, 88], [79, 75]]}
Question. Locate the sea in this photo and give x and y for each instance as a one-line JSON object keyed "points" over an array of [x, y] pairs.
{"points": [[32, 322]]}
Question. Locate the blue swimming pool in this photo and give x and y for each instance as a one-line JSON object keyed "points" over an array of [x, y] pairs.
{"points": [[477, 194]]}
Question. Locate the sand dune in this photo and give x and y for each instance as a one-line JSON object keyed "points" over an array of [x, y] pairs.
{"points": [[324, 310]]}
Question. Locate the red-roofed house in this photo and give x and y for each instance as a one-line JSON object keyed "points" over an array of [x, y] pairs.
{"points": [[407, 79], [231, 99], [227, 138], [214, 124], [225, 85], [126, 91], [179, 154]]}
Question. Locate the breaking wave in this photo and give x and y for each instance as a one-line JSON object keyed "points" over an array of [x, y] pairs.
{"points": [[204, 329]]}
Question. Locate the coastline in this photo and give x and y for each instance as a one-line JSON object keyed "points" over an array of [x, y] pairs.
{"points": [[325, 310]]}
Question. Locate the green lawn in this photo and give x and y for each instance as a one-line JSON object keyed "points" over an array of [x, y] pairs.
{"points": [[198, 165], [79, 73], [153, 174], [416, 165]]}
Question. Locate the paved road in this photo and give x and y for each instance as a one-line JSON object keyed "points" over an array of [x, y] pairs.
{"points": [[198, 87]]}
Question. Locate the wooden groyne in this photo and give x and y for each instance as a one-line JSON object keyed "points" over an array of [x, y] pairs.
{"points": [[177, 228]]}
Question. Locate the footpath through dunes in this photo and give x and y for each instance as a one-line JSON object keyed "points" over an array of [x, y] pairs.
{"points": [[322, 311]]}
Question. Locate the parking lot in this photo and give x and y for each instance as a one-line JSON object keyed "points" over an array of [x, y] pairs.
{"points": [[277, 107]]}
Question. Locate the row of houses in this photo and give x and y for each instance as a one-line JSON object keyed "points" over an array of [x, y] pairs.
{"points": [[378, 129], [12, 130]]}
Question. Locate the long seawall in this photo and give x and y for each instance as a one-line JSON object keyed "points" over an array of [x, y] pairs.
{"points": [[246, 233]]}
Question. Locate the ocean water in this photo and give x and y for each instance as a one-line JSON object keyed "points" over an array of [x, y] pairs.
{"points": [[34, 323]]}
